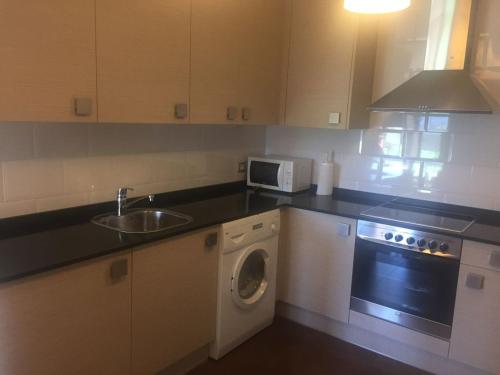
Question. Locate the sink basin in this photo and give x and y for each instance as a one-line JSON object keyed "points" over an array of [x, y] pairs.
{"points": [[142, 220]]}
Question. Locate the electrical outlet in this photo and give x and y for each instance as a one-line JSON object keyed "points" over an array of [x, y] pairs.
{"points": [[242, 167]]}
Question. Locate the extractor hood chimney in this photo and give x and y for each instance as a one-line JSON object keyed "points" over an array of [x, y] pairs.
{"points": [[445, 84]]}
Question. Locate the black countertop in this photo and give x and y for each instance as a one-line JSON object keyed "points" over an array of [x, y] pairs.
{"points": [[40, 242]]}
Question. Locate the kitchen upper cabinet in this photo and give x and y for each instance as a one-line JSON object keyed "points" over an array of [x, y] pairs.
{"points": [[74, 320], [47, 65], [215, 57], [236, 61], [174, 298], [486, 55], [475, 338], [261, 63], [330, 69], [143, 55], [401, 47], [316, 261]]}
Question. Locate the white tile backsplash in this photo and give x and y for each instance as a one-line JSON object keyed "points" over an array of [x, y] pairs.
{"points": [[51, 166], [17, 208], [444, 158], [47, 178], [17, 180], [16, 142], [61, 140], [453, 159]]}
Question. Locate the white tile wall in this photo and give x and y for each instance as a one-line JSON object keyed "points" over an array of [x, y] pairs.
{"points": [[454, 159], [50, 166]]}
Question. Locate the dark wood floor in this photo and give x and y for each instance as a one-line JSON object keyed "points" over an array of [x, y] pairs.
{"points": [[289, 348]]}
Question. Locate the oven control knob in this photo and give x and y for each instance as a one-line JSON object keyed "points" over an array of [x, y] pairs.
{"points": [[398, 238], [410, 240], [388, 236], [444, 247], [421, 242], [433, 245]]}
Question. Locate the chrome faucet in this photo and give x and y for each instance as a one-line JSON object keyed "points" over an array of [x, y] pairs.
{"points": [[121, 198]]}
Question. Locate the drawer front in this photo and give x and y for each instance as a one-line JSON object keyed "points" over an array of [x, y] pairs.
{"points": [[475, 338], [481, 255]]}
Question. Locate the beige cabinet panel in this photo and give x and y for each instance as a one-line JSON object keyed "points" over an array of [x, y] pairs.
{"points": [[315, 263], [216, 36], [47, 51], [142, 59], [481, 255], [174, 297], [262, 53], [321, 48], [71, 321], [322, 60], [401, 47], [475, 338], [237, 52], [486, 53]]}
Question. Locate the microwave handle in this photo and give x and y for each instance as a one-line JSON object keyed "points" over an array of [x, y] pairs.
{"points": [[281, 176]]}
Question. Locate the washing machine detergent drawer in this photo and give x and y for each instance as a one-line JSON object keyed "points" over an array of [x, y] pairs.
{"points": [[240, 233]]}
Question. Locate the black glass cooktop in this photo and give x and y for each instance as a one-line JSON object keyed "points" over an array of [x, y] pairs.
{"points": [[420, 216]]}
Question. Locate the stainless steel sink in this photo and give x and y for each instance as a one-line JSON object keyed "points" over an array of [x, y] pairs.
{"points": [[142, 220]]}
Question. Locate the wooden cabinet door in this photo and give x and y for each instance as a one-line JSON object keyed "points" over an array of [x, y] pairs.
{"points": [[475, 338], [401, 47], [142, 59], [322, 43], [47, 51], [71, 321], [315, 263], [174, 297], [486, 56], [262, 53], [216, 35]]}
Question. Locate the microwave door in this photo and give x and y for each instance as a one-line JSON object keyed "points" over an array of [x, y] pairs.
{"points": [[266, 174]]}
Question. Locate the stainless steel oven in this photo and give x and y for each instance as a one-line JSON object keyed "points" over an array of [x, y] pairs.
{"points": [[406, 277]]}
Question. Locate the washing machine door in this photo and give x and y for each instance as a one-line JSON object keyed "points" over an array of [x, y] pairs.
{"points": [[250, 276]]}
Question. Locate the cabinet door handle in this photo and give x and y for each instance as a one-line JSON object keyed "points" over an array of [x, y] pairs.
{"points": [[211, 240], [119, 269], [475, 281], [246, 114], [232, 113], [181, 111], [495, 259], [343, 229], [83, 106]]}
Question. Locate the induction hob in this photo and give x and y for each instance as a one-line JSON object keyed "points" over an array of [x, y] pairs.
{"points": [[420, 216]]}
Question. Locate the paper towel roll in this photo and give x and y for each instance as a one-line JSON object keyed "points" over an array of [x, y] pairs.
{"points": [[325, 179]]}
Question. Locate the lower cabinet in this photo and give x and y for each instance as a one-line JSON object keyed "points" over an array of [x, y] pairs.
{"points": [[475, 338], [74, 320], [315, 262], [173, 300]]}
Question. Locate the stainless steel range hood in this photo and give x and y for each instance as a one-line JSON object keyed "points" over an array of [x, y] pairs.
{"points": [[444, 85]]}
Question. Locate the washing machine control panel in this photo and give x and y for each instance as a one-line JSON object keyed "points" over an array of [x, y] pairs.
{"points": [[239, 233]]}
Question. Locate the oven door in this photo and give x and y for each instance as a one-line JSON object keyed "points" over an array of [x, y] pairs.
{"points": [[408, 288], [266, 174]]}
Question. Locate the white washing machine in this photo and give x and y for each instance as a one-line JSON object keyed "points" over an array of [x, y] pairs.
{"points": [[247, 280]]}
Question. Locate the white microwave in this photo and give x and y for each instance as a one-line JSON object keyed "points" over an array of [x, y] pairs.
{"points": [[280, 173]]}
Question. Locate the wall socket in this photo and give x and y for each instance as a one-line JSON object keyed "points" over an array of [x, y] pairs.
{"points": [[242, 167]]}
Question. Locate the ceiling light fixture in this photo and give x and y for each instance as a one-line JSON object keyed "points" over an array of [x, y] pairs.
{"points": [[376, 6]]}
